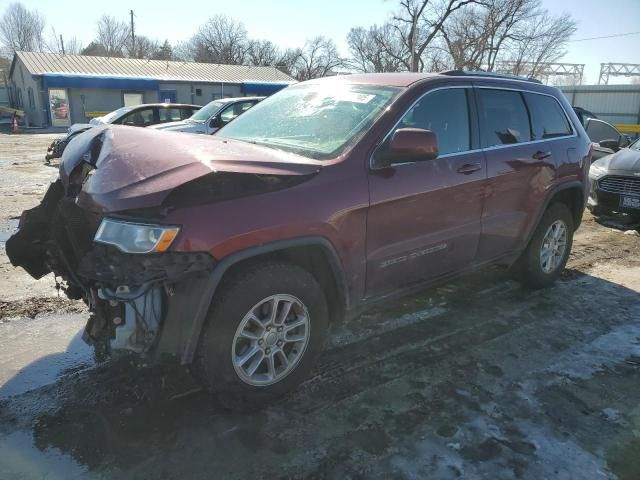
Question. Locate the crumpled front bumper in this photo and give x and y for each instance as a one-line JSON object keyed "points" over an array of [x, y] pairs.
{"points": [[129, 295]]}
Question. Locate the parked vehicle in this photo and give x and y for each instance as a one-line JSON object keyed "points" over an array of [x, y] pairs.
{"points": [[615, 183], [606, 138], [213, 116], [583, 115], [138, 116], [235, 252]]}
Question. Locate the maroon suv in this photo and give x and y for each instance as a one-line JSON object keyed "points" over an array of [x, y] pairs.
{"points": [[235, 252]]}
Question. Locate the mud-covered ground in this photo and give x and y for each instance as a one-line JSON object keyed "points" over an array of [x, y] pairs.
{"points": [[475, 379]]}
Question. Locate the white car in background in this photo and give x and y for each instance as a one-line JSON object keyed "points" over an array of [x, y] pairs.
{"points": [[213, 116]]}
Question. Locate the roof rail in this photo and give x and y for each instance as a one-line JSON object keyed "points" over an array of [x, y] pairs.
{"points": [[480, 73]]}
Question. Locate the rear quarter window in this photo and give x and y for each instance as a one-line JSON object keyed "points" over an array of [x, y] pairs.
{"points": [[503, 116], [548, 120]]}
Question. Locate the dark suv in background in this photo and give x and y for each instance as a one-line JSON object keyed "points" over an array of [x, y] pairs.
{"points": [[235, 252]]}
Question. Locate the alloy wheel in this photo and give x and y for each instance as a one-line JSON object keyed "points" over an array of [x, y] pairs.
{"points": [[554, 245], [270, 340]]}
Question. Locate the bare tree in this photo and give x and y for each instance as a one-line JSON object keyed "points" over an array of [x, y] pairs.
{"points": [[262, 53], [220, 40], [318, 58], [377, 49], [543, 40], [517, 36], [94, 49], [288, 60], [69, 46], [165, 52], [143, 48], [113, 35], [21, 29], [419, 22]]}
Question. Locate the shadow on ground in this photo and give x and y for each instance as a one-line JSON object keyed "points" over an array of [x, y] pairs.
{"points": [[478, 379]]}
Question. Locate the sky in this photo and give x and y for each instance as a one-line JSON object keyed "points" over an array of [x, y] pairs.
{"points": [[288, 23]]}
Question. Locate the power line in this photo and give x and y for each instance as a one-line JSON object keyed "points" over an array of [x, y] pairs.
{"points": [[606, 36]]}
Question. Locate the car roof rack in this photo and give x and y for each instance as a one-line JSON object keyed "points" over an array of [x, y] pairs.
{"points": [[480, 73]]}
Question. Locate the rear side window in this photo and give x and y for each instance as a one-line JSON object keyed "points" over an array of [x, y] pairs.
{"points": [[504, 118], [445, 113], [170, 114], [547, 117]]}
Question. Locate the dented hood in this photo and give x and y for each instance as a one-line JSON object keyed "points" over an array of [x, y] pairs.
{"points": [[137, 168]]}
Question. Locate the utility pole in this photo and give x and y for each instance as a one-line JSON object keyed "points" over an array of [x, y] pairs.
{"points": [[133, 35], [61, 44], [414, 32]]}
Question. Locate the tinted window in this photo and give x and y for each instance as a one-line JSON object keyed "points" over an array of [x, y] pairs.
{"points": [[547, 117], [445, 113], [504, 118], [170, 114], [599, 131], [188, 112], [139, 118], [234, 110]]}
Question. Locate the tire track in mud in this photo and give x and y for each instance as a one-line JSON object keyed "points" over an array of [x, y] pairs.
{"points": [[470, 323], [349, 370]]}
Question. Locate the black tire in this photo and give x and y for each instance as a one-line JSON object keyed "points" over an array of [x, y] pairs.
{"points": [[242, 291], [528, 269]]}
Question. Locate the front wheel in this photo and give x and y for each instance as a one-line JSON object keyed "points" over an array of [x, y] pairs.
{"points": [[262, 334], [548, 251]]}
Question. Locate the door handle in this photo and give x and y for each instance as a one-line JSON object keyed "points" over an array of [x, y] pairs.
{"points": [[540, 155], [469, 168]]}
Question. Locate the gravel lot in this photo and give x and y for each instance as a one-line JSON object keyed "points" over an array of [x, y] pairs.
{"points": [[475, 379]]}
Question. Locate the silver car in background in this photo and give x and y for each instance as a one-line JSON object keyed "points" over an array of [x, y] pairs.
{"points": [[213, 116]]}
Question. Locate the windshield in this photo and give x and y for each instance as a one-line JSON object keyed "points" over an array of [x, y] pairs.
{"points": [[315, 120], [110, 117], [635, 145], [206, 112]]}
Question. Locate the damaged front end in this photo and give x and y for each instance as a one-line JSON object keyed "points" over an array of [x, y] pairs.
{"points": [[99, 230], [126, 293]]}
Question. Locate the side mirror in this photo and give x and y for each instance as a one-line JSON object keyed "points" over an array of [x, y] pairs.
{"points": [[407, 145], [609, 143], [624, 141], [215, 122]]}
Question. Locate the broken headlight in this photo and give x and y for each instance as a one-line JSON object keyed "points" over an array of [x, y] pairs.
{"points": [[136, 237]]}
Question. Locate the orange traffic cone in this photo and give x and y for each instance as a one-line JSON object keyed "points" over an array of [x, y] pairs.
{"points": [[15, 124]]}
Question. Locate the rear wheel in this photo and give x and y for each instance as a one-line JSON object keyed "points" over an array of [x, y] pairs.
{"points": [[262, 334], [548, 251]]}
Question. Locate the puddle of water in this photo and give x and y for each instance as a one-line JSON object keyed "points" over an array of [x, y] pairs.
{"points": [[20, 458], [35, 352]]}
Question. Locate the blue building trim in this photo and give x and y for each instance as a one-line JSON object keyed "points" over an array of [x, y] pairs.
{"points": [[261, 88], [55, 80]]}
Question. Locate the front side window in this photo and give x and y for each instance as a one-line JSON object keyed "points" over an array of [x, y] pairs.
{"points": [[234, 111], [503, 117], [446, 114], [547, 117], [597, 130], [318, 120], [114, 116], [206, 112]]}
